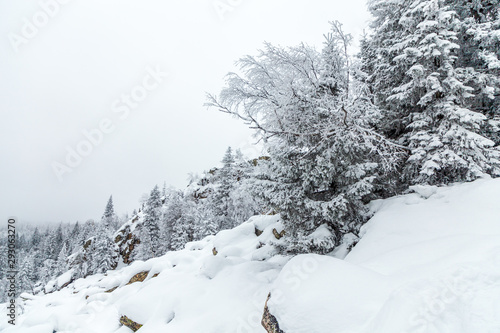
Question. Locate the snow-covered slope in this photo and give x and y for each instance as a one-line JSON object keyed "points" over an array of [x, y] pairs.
{"points": [[219, 284], [427, 262]]}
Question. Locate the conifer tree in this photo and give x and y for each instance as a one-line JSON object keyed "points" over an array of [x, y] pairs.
{"points": [[429, 106], [54, 242], [221, 201], [108, 218], [151, 224], [26, 274], [172, 214], [74, 238], [325, 161], [104, 254], [62, 258], [35, 239]]}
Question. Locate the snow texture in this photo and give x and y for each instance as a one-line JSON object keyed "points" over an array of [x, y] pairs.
{"points": [[423, 265], [427, 262]]}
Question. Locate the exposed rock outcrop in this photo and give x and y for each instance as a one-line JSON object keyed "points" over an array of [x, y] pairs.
{"points": [[126, 238], [269, 321], [139, 277], [125, 321], [111, 290], [277, 234]]}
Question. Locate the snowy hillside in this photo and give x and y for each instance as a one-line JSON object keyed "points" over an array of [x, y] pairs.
{"points": [[427, 262]]}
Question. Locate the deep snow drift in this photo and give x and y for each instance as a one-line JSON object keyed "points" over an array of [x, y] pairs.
{"points": [[428, 262]]}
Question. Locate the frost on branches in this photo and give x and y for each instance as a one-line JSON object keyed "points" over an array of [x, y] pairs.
{"points": [[326, 161]]}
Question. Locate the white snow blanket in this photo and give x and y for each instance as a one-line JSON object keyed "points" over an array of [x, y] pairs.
{"points": [[428, 262]]}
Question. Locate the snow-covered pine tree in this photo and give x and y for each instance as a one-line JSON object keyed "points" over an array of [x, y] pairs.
{"points": [[220, 200], [62, 261], [478, 32], [151, 224], [325, 160], [35, 242], [104, 255], [382, 72], [181, 232], [35, 238], [108, 218], [48, 270], [54, 243], [164, 190], [425, 98], [243, 203], [101, 254], [171, 214], [26, 275], [189, 224], [74, 239]]}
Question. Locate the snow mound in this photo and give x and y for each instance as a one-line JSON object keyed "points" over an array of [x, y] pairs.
{"points": [[427, 267], [428, 262]]}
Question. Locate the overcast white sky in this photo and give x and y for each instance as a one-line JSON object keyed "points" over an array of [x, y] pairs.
{"points": [[65, 77]]}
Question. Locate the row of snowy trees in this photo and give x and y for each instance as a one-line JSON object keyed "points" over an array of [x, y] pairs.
{"points": [[217, 200], [42, 256], [169, 218], [419, 105]]}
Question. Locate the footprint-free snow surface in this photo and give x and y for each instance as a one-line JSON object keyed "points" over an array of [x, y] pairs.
{"points": [[428, 262]]}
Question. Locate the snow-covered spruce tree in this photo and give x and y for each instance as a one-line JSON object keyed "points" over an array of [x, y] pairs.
{"points": [[150, 237], [98, 253], [171, 213], [325, 161], [244, 205], [26, 274], [202, 203], [48, 270], [108, 218], [478, 65], [104, 254], [382, 72], [219, 202], [188, 226], [413, 56], [55, 243], [74, 239], [62, 258]]}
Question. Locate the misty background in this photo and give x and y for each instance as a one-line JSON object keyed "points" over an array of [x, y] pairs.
{"points": [[64, 79]]}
